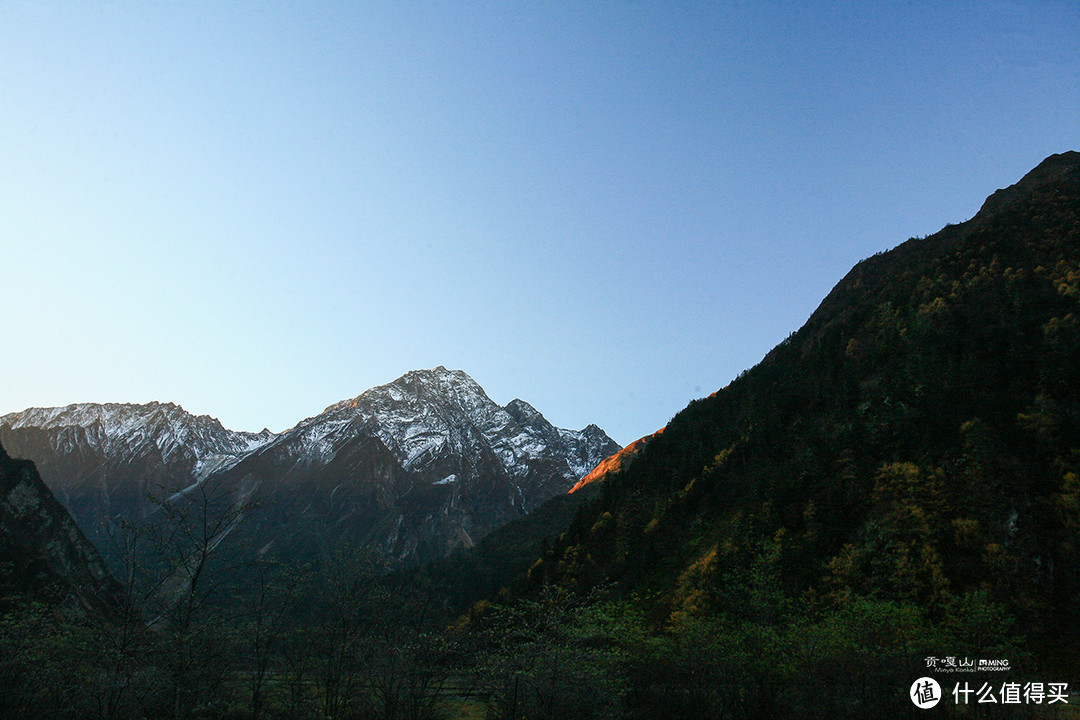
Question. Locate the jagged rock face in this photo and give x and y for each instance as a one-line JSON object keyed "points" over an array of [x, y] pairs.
{"points": [[419, 466], [46, 555], [416, 467], [109, 460]]}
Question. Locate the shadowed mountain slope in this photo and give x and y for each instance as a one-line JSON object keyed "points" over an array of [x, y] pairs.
{"points": [[46, 556]]}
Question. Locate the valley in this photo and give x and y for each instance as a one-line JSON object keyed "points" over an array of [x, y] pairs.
{"points": [[897, 481]]}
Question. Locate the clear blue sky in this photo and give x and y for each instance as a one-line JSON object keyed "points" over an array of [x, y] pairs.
{"points": [[607, 209]]}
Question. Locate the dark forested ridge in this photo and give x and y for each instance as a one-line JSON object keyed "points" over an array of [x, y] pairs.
{"points": [[916, 443]]}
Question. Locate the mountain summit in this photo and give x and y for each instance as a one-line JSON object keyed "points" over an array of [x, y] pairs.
{"points": [[1064, 167], [421, 465], [426, 414]]}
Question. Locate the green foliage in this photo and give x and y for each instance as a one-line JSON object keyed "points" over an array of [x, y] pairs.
{"points": [[555, 656], [38, 652]]}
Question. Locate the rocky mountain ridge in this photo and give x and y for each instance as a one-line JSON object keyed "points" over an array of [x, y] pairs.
{"points": [[421, 465], [115, 429], [108, 460], [428, 455]]}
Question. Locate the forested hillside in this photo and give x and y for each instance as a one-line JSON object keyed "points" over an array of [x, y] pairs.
{"points": [[897, 480]]}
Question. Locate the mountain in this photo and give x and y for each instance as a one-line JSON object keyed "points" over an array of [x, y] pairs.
{"points": [[43, 553], [108, 460], [900, 476], [417, 467]]}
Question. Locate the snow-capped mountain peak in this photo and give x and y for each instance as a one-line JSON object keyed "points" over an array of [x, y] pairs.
{"points": [[128, 428], [426, 413]]}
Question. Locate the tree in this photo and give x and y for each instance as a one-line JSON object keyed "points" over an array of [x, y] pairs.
{"points": [[191, 573]]}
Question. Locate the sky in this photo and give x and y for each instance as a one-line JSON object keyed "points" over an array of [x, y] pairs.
{"points": [[606, 209]]}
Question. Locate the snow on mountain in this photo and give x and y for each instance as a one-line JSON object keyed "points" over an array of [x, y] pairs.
{"points": [[118, 430], [417, 466], [426, 414], [103, 461]]}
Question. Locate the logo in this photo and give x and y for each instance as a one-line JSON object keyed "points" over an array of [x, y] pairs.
{"points": [[954, 664], [993, 665], [925, 693]]}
